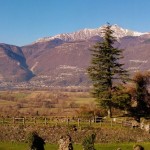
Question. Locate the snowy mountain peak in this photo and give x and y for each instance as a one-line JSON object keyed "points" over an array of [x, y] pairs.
{"points": [[88, 33], [120, 32]]}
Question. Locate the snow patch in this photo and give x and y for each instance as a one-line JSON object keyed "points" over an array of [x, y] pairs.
{"points": [[88, 33]]}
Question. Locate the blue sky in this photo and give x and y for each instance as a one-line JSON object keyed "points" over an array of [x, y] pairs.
{"points": [[24, 21]]}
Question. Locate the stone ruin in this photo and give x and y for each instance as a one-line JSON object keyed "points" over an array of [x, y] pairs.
{"points": [[65, 143], [138, 147]]}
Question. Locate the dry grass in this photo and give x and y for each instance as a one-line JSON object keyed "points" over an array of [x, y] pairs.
{"points": [[25, 103]]}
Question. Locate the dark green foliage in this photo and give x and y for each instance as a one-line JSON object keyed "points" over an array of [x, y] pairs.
{"points": [[140, 95], [88, 142], [35, 141], [105, 69], [121, 98]]}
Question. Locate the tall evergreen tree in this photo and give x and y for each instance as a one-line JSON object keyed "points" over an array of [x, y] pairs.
{"points": [[105, 68]]}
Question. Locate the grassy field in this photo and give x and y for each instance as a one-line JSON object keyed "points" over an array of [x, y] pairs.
{"points": [[20, 103], [24, 146]]}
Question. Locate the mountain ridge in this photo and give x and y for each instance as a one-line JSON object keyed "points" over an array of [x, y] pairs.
{"points": [[60, 62], [86, 33]]}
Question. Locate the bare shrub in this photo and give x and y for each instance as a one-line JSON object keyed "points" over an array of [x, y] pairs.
{"points": [[73, 105], [46, 104], [85, 112]]}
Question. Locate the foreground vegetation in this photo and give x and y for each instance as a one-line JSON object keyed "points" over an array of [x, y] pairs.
{"points": [[41, 104], [23, 146]]}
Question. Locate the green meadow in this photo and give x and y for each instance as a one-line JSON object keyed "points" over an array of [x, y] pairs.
{"points": [[110, 146]]}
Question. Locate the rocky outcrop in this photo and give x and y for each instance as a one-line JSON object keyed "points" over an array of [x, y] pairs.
{"points": [[65, 143], [138, 147]]}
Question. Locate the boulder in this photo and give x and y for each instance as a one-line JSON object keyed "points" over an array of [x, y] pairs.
{"points": [[138, 147], [65, 143]]}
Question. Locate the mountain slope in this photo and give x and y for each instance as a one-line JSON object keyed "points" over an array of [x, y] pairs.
{"points": [[62, 60], [13, 65], [66, 63]]}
